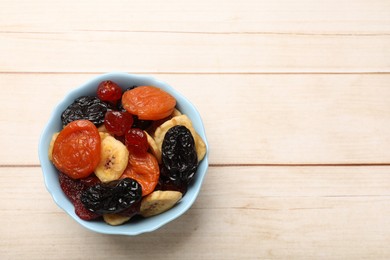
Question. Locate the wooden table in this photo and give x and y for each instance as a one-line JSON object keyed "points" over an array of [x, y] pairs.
{"points": [[295, 97]]}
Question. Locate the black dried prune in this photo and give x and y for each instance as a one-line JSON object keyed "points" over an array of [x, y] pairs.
{"points": [[170, 181], [179, 156], [113, 197], [142, 124], [86, 107]]}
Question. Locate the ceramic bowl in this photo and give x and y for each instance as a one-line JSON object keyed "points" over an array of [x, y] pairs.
{"points": [[50, 173]]}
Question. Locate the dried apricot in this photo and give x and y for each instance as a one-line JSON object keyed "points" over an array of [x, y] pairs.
{"points": [[148, 103], [76, 151], [145, 170]]}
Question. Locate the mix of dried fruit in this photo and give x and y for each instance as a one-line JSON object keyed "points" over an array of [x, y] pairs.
{"points": [[122, 154]]}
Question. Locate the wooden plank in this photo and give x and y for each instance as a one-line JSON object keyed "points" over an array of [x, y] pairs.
{"points": [[228, 16], [265, 212], [249, 119], [196, 53]]}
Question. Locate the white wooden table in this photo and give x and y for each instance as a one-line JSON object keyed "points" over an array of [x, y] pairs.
{"points": [[295, 97]]}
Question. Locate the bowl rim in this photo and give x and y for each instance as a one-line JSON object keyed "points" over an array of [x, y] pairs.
{"points": [[120, 230]]}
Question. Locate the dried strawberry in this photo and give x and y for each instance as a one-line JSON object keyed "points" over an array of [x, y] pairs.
{"points": [[84, 213], [73, 189], [70, 187]]}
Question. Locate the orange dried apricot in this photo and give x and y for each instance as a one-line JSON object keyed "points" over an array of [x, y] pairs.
{"points": [[145, 170], [76, 151], [148, 103]]}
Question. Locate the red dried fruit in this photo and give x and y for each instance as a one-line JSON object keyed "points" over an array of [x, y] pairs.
{"points": [[118, 123], [137, 142], [70, 187], [109, 91], [73, 189], [84, 213]]}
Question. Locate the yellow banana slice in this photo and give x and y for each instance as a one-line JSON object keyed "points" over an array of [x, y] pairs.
{"points": [[53, 139], [113, 160], [103, 135], [160, 132], [175, 112], [200, 147], [153, 147], [115, 219], [158, 202]]}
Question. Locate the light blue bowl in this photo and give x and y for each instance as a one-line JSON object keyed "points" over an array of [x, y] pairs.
{"points": [[50, 173]]}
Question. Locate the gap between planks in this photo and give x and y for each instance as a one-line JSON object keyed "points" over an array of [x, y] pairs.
{"points": [[208, 33]]}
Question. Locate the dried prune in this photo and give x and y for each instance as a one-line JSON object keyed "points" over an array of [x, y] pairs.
{"points": [[179, 155], [112, 197], [168, 181], [86, 107], [142, 124]]}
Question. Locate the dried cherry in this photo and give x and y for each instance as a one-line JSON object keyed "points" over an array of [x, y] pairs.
{"points": [[179, 155], [109, 91], [86, 107], [112, 197], [118, 123], [136, 141]]}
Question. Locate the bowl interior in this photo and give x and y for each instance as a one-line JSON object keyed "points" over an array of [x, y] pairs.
{"points": [[51, 174]]}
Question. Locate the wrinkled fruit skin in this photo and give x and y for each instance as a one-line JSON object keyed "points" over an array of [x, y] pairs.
{"points": [[168, 182], [142, 124], [179, 156], [86, 107], [117, 122], [73, 189], [109, 91], [136, 141], [144, 169], [132, 210], [76, 150], [148, 102], [112, 197]]}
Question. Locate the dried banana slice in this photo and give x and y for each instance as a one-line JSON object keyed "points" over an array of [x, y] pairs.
{"points": [[200, 147], [113, 160], [103, 135], [176, 112], [160, 132], [153, 147], [158, 202], [53, 139], [115, 219]]}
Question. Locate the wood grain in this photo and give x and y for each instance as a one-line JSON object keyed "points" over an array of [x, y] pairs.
{"points": [[295, 100], [273, 119], [195, 53], [227, 16], [279, 213]]}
